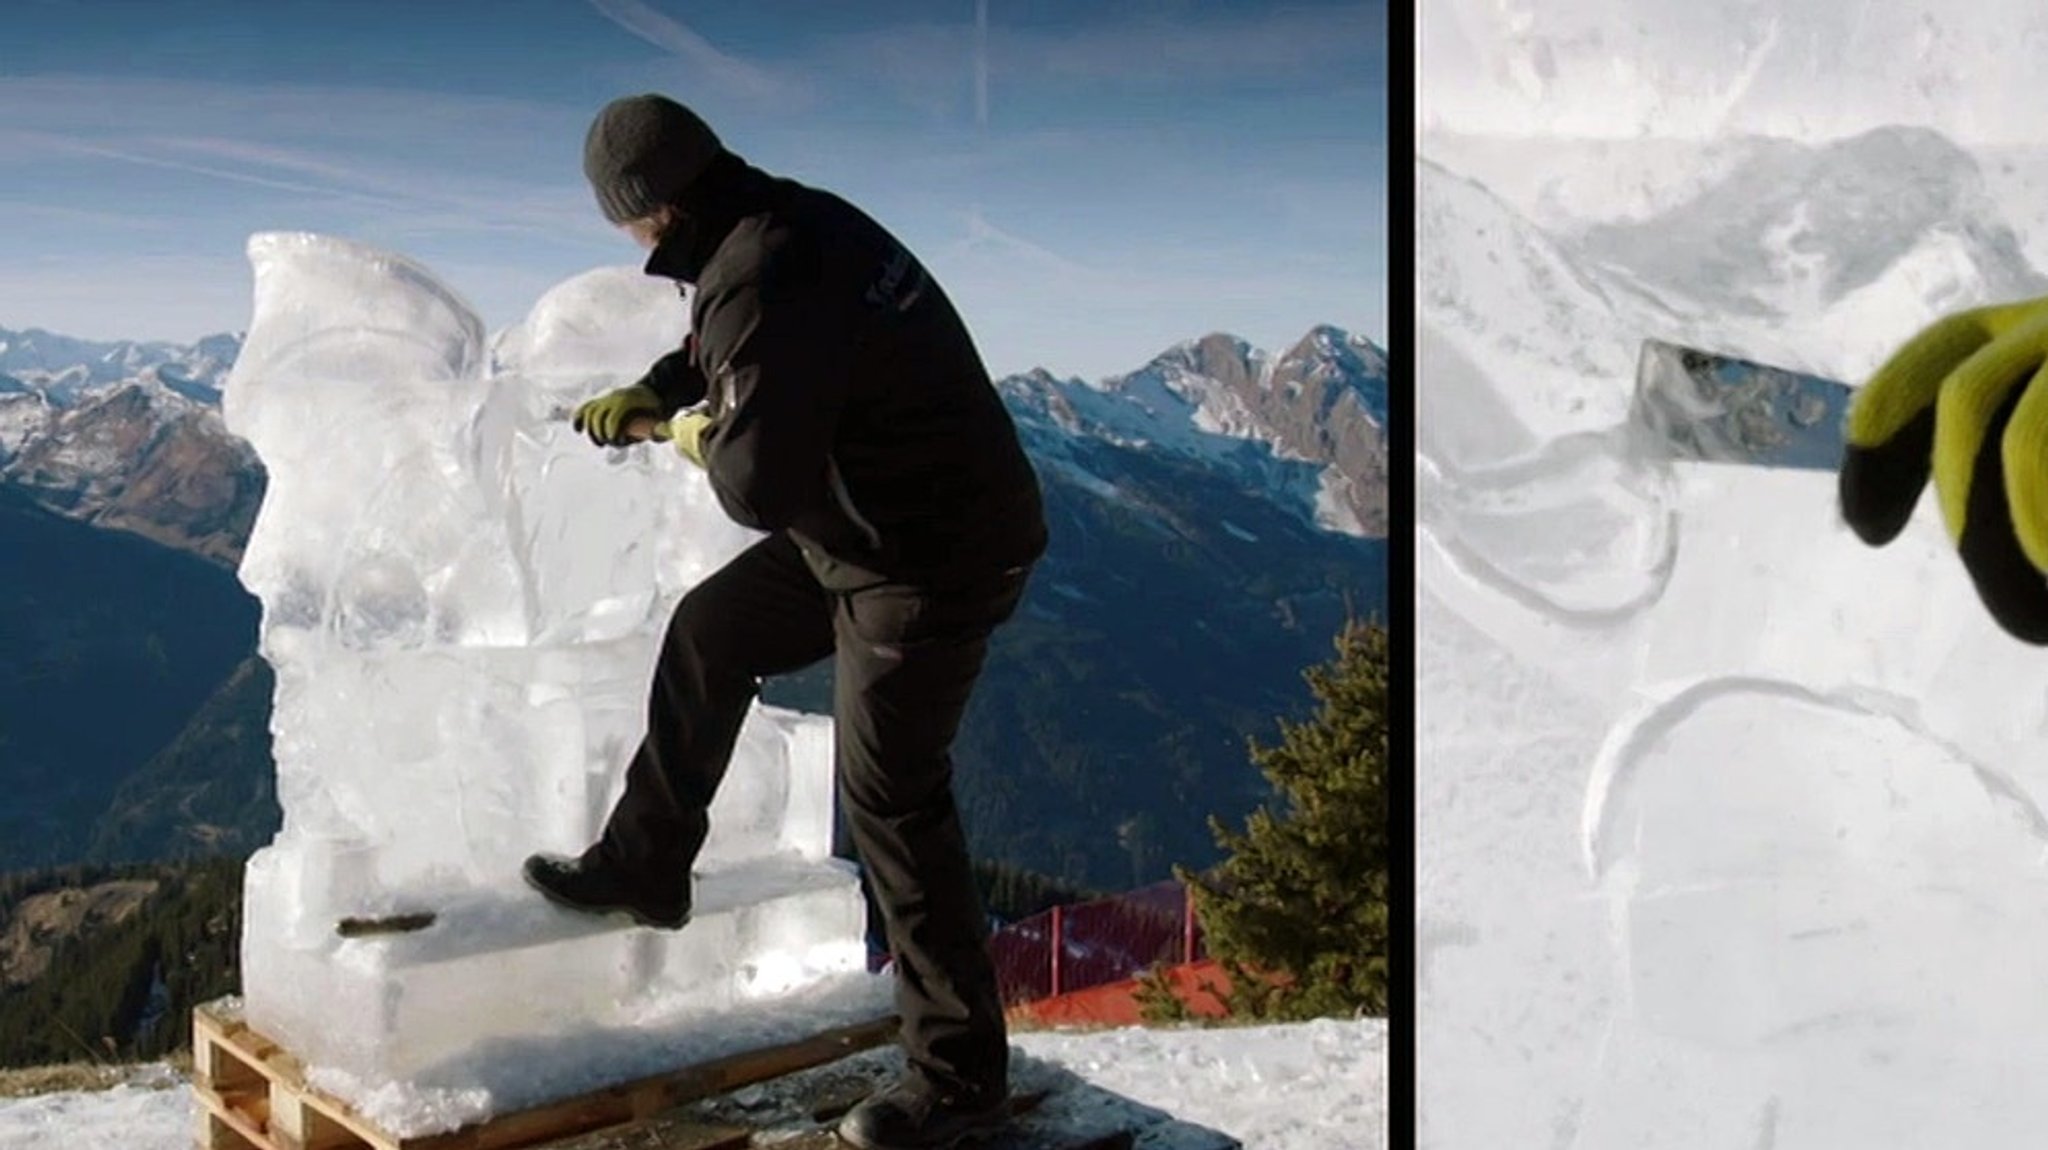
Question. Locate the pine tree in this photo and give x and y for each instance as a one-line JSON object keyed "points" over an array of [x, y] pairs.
{"points": [[1296, 914]]}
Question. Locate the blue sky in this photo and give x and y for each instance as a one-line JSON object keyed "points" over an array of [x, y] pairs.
{"points": [[1092, 182]]}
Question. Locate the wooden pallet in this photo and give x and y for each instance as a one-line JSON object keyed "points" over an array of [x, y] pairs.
{"points": [[253, 1094]]}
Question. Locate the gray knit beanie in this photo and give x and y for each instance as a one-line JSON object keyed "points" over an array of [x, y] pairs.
{"points": [[642, 152]]}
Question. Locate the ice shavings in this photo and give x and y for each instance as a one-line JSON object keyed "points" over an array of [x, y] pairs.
{"points": [[503, 1076]]}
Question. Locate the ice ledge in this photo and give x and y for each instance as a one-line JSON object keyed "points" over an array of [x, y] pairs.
{"points": [[508, 1075], [508, 1001], [509, 918]]}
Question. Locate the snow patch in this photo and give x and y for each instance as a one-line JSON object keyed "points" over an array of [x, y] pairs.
{"points": [[1307, 1086], [23, 418], [1333, 504], [1319, 1085], [154, 1111]]}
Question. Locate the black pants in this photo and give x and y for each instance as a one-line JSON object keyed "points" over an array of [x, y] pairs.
{"points": [[906, 662]]}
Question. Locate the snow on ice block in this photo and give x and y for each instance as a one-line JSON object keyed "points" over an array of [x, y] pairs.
{"points": [[503, 966]]}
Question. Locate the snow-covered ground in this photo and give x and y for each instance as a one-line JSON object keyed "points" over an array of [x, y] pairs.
{"points": [[1312, 1086], [1730, 829]]}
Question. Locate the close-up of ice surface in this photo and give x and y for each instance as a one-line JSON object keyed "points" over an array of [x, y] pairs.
{"points": [[1730, 828]]}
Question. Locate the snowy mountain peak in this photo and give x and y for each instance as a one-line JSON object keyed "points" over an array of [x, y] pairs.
{"points": [[1034, 383], [1337, 365], [141, 456], [1220, 357], [68, 369], [24, 416], [1353, 354], [1308, 427]]}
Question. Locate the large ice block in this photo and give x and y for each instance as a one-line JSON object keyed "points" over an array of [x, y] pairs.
{"points": [[500, 966], [464, 601]]}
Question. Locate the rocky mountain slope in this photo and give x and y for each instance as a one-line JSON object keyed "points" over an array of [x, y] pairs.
{"points": [[1307, 428], [109, 644]]}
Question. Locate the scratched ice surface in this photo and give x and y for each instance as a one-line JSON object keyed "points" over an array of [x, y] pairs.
{"points": [[1730, 828]]}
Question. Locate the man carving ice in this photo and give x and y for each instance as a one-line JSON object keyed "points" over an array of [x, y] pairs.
{"points": [[836, 401]]}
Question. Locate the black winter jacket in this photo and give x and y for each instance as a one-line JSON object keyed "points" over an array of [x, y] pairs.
{"points": [[849, 406]]}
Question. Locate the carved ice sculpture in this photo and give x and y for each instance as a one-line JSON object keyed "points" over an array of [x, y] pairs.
{"points": [[463, 600]]}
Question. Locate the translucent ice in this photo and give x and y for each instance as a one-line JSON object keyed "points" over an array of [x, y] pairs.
{"points": [[463, 600], [1757, 806]]}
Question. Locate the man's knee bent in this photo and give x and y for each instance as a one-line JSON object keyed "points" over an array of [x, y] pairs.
{"points": [[702, 637]]}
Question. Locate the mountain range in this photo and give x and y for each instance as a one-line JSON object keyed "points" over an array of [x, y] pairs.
{"points": [[1216, 514]]}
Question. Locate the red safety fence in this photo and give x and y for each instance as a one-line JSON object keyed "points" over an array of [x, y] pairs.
{"points": [[1091, 944], [1196, 984]]}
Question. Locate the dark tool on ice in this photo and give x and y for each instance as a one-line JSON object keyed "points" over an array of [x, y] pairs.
{"points": [[1959, 404], [1704, 406], [388, 924], [638, 427]]}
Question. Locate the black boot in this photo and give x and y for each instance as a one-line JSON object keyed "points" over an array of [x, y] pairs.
{"points": [[588, 885], [915, 1115]]}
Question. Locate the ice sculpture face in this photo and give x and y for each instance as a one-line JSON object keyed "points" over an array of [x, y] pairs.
{"points": [[354, 362], [427, 491], [460, 594]]}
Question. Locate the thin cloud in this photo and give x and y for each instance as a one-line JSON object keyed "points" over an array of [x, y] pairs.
{"points": [[443, 175], [929, 68], [392, 152], [1286, 46], [984, 238], [281, 159], [51, 144], [379, 149], [949, 70], [710, 68], [1031, 316], [470, 204], [1137, 270], [76, 106], [64, 213]]}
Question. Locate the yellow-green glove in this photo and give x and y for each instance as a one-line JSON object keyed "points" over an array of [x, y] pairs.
{"points": [[686, 431], [1966, 399], [607, 418]]}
